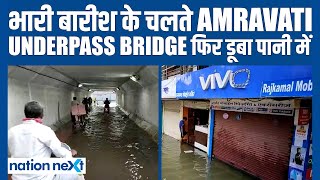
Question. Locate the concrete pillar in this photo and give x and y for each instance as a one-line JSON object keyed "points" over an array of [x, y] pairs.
{"points": [[210, 133]]}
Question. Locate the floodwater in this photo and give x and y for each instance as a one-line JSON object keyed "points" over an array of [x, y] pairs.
{"points": [[114, 147], [181, 161]]}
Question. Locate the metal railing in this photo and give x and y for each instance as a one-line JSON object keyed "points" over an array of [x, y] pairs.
{"points": [[171, 71]]}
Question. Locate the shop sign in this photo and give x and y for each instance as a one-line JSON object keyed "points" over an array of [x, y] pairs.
{"points": [[262, 106], [301, 134], [196, 104], [303, 115], [229, 76], [287, 88], [168, 88], [245, 82]]}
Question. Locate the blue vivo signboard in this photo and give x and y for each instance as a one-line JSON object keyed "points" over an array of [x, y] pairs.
{"points": [[246, 82]]}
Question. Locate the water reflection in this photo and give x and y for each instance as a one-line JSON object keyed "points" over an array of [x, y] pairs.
{"points": [[115, 147], [181, 161]]}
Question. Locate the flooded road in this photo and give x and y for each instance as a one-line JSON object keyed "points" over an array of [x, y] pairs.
{"points": [[181, 161], [115, 147]]}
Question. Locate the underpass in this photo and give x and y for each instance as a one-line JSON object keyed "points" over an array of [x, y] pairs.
{"points": [[119, 145]]}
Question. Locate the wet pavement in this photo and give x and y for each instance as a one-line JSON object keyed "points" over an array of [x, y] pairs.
{"points": [[114, 146], [193, 165]]}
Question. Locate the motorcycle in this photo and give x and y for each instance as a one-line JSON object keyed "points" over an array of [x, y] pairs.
{"points": [[106, 109], [66, 146]]}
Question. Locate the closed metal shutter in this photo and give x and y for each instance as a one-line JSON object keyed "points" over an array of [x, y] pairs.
{"points": [[257, 143], [171, 118], [173, 106]]}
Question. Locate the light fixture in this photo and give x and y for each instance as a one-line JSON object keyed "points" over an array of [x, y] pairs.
{"points": [[90, 90], [118, 89], [113, 92], [134, 78], [80, 85]]}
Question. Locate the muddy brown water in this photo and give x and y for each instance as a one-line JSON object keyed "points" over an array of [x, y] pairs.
{"points": [[183, 162], [114, 147]]}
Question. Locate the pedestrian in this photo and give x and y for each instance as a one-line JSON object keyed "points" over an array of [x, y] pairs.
{"points": [[198, 121], [86, 104], [32, 139], [107, 105], [95, 101], [73, 117], [182, 127], [90, 103]]}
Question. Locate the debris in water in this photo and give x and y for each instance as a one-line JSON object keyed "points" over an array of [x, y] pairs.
{"points": [[189, 151], [131, 155], [129, 146], [141, 167]]}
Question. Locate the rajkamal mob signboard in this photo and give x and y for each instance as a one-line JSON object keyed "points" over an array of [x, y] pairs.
{"points": [[245, 82]]}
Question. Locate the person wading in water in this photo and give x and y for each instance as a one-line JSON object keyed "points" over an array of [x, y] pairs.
{"points": [[107, 105]]}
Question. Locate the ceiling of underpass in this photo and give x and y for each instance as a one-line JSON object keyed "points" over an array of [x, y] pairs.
{"points": [[97, 78]]}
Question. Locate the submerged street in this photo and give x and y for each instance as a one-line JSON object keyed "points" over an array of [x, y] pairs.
{"points": [[114, 146], [181, 161]]}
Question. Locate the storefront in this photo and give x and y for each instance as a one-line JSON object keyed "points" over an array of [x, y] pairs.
{"points": [[171, 108], [253, 121], [197, 114]]}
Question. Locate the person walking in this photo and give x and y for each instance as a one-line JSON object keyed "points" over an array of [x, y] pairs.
{"points": [[107, 105]]}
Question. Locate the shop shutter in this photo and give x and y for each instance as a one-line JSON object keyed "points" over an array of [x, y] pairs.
{"points": [[173, 106], [171, 118], [258, 144]]}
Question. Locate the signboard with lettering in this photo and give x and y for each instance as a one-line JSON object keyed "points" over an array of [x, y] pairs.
{"points": [[304, 116], [301, 151], [262, 106], [196, 104], [245, 82], [168, 88], [287, 88]]}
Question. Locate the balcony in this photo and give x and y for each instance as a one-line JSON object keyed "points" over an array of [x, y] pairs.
{"points": [[172, 71]]}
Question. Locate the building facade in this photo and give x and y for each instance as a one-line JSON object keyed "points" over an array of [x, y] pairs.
{"points": [[255, 118]]}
